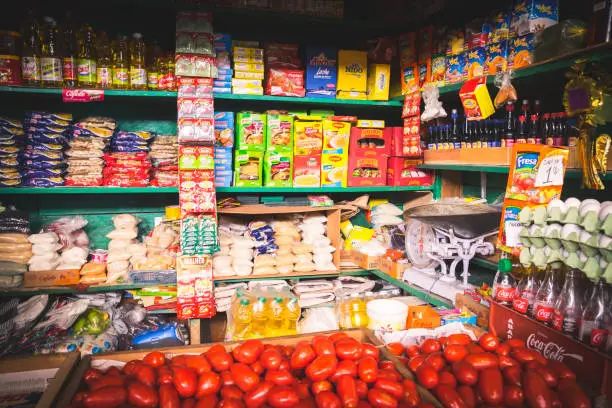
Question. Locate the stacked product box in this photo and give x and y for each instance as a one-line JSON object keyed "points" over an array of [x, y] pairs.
{"points": [[369, 148], [224, 145], [307, 150], [334, 160], [278, 158], [284, 73], [248, 69], [352, 74], [321, 72], [223, 82], [250, 148]]}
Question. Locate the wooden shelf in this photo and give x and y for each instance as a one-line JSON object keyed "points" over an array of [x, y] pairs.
{"points": [[304, 275], [257, 209]]}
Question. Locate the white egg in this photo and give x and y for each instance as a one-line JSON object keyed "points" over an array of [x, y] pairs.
{"points": [[553, 230], [556, 203], [572, 202], [605, 210], [605, 242], [568, 230], [584, 236], [589, 205], [535, 231]]}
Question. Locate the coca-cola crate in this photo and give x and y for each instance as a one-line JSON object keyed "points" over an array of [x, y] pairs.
{"points": [[592, 368]]}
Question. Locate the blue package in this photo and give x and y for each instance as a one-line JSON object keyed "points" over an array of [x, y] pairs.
{"points": [[223, 42], [6, 135], [222, 90], [10, 176], [9, 162], [164, 335], [221, 151], [222, 84], [321, 71], [35, 154], [44, 147], [6, 130], [130, 149], [224, 78], [46, 129], [8, 151], [140, 135], [36, 138], [45, 115], [7, 142], [43, 181], [43, 164], [224, 133], [10, 183], [35, 173], [45, 122], [225, 72]]}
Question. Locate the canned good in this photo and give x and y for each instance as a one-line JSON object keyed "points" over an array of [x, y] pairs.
{"points": [[10, 42], [10, 72]]}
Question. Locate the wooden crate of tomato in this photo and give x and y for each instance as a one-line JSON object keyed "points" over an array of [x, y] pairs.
{"points": [[322, 369]]}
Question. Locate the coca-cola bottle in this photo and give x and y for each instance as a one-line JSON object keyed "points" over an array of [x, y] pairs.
{"points": [[544, 302], [504, 287], [593, 327], [568, 309], [525, 294]]}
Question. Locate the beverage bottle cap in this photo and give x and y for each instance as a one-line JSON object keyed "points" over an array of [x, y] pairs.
{"points": [[504, 265]]}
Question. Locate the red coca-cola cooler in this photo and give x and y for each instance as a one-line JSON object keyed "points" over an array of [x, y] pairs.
{"points": [[593, 368]]}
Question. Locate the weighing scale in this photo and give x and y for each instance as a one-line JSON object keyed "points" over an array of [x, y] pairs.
{"points": [[440, 232]]}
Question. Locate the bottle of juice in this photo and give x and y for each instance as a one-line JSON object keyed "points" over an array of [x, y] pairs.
{"points": [[138, 72], [50, 59], [261, 313], [104, 66], [277, 316], [30, 55], [292, 314], [69, 52], [243, 316], [121, 76], [86, 60]]}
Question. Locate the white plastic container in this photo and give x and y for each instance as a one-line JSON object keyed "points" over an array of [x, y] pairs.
{"points": [[386, 316]]}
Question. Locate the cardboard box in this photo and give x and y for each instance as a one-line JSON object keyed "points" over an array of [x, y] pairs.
{"points": [[279, 132], [378, 82], [336, 136], [33, 279], [480, 310], [308, 135], [370, 140], [366, 261], [334, 167], [393, 269], [307, 171], [352, 71], [403, 172], [367, 169], [321, 71], [278, 169], [422, 317]]}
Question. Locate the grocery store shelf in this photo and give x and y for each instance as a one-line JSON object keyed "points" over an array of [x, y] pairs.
{"points": [[66, 290], [570, 173], [417, 291], [308, 275]]}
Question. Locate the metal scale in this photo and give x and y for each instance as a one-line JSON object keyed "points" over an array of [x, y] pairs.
{"points": [[439, 233]]}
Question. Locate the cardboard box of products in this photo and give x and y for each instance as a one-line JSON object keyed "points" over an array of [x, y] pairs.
{"points": [[366, 261], [51, 278]]}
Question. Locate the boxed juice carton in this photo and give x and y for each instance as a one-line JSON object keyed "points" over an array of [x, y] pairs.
{"points": [[307, 171], [334, 168], [321, 71], [530, 16], [279, 134], [336, 134], [497, 58], [367, 169], [438, 70], [455, 68], [403, 172], [407, 49], [353, 71], [251, 130], [409, 79], [248, 165], [278, 169], [521, 52], [224, 129], [424, 72], [373, 140], [378, 82], [475, 63], [307, 135]]}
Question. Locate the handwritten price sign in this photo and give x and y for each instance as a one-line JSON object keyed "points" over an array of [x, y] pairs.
{"points": [[550, 172], [82, 95]]}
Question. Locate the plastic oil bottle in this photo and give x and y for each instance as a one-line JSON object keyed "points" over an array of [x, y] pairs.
{"points": [[121, 66], [292, 315], [152, 55], [30, 56], [138, 71], [69, 69], [261, 313], [86, 59], [277, 316], [243, 316], [104, 66], [50, 59], [359, 315], [171, 78]]}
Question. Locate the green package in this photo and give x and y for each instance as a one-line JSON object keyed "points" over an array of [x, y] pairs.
{"points": [[322, 113], [251, 131], [279, 133], [248, 168], [278, 169]]}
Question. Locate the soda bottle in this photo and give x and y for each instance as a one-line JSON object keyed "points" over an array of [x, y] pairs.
{"points": [[455, 139], [526, 292], [534, 135], [593, 327], [243, 316], [544, 303], [86, 59], [525, 108], [508, 136], [277, 316], [30, 55], [568, 308], [293, 313], [69, 60], [465, 136], [261, 311], [104, 66], [521, 136], [138, 72], [504, 286], [121, 66], [561, 139], [431, 140], [548, 137], [50, 59]]}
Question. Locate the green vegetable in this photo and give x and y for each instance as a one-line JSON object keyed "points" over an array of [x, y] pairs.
{"points": [[93, 321]]}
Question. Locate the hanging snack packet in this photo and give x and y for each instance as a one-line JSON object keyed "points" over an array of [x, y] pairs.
{"points": [[506, 89]]}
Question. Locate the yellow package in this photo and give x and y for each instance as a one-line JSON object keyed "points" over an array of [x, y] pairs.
{"points": [[360, 96], [378, 82], [376, 202], [358, 235], [371, 123], [248, 67], [334, 168], [336, 135], [346, 227], [93, 268], [352, 71], [307, 135]]}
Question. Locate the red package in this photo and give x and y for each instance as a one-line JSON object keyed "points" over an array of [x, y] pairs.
{"points": [[285, 82], [115, 182], [412, 104], [282, 56]]}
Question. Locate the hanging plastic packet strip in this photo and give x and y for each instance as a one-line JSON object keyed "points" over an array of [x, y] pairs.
{"points": [[503, 80], [43, 182], [45, 115], [47, 147]]}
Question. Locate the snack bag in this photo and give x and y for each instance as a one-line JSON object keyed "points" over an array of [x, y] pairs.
{"points": [[521, 51], [497, 58], [438, 70], [455, 68], [475, 63]]}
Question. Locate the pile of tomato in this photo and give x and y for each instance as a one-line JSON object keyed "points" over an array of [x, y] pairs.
{"points": [[327, 372], [463, 373]]}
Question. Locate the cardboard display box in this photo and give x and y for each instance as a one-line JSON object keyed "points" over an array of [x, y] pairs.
{"points": [[366, 261], [51, 278], [393, 269]]}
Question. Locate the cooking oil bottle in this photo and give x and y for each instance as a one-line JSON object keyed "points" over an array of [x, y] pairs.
{"points": [[243, 316], [104, 66], [50, 59], [86, 59], [261, 314], [138, 72], [292, 315], [69, 69], [152, 55], [121, 65], [171, 78], [277, 316], [359, 315], [30, 55]]}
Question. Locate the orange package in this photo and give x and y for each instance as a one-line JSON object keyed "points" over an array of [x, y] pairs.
{"points": [[422, 317]]}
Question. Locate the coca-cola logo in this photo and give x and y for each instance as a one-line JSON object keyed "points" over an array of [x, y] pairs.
{"points": [[550, 349], [543, 314], [520, 305], [598, 337], [557, 320], [505, 294]]}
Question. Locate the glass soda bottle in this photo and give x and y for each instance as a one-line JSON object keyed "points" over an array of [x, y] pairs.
{"points": [[260, 316], [568, 308], [293, 313], [544, 303], [526, 292], [104, 66], [50, 59], [509, 126], [69, 60], [243, 315], [138, 72], [504, 286], [593, 327], [30, 55], [121, 75], [86, 59]]}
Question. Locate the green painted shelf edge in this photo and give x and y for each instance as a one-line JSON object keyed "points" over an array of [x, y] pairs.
{"points": [[174, 190], [484, 263], [570, 173]]}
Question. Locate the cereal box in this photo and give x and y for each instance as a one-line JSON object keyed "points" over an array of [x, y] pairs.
{"points": [[278, 169], [455, 67], [321, 71], [336, 136], [334, 169], [500, 26], [475, 63], [530, 16], [410, 79], [378, 82], [307, 171], [251, 130], [224, 129], [352, 71], [497, 58], [425, 41], [438, 70], [521, 52], [407, 49], [248, 168], [308, 135], [279, 134]]}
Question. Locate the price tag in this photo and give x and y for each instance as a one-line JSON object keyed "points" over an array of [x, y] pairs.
{"points": [[82, 95], [512, 229], [550, 172]]}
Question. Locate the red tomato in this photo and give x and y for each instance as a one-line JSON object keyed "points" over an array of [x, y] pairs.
{"points": [[381, 399], [465, 373], [362, 388], [244, 377], [491, 386], [106, 397], [185, 381], [393, 388], [302, 356], [512, 376], [131, 367], [562, 371], [113, 371], [427, 376], [514, 343], [443, 340], [556, 402], [467, 395], [489, 342], [248, 352], [258, 368], [337, 336], [411, 397], [345, 367], [271, 359], [367, 369], [208, 383], [371, 350], [392, 375], [164, 375], [537, 393], [430, 346], [386, 364], [412, 350], [503, 349], [323, 346], [230, 403], [523, 355], [79, 399], [322, 367], [397, 349], [146, 375], [279, 377], [548, 375], [154, 359], [349, 349], [258, 395], [220, 361], [513, 396], [448, 396], [281, 397], [216, 348], [179, 360], [474, 348], [199, 363], [447, 379], [328, 399], [107, 381], [461, 339], [142, 395], [346, 388], [205, 402], [93, 374], [320, 386], [302, 388], [572, 395], [168, 397], [284, 365], [231, 392], [506, 361], [436, 361], [227, 379], [415, 362], [481, 361], [455, 352]]}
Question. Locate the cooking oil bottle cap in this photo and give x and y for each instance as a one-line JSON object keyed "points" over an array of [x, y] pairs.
{"points": [[278, 299], [244, 302], [262, 299], [504, 265]]}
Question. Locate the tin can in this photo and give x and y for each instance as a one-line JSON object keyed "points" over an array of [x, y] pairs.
{"points": [[10, 73]]}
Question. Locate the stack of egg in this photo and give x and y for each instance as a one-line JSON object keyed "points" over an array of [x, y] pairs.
{"points": [[10, 135], [90, 138]]}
